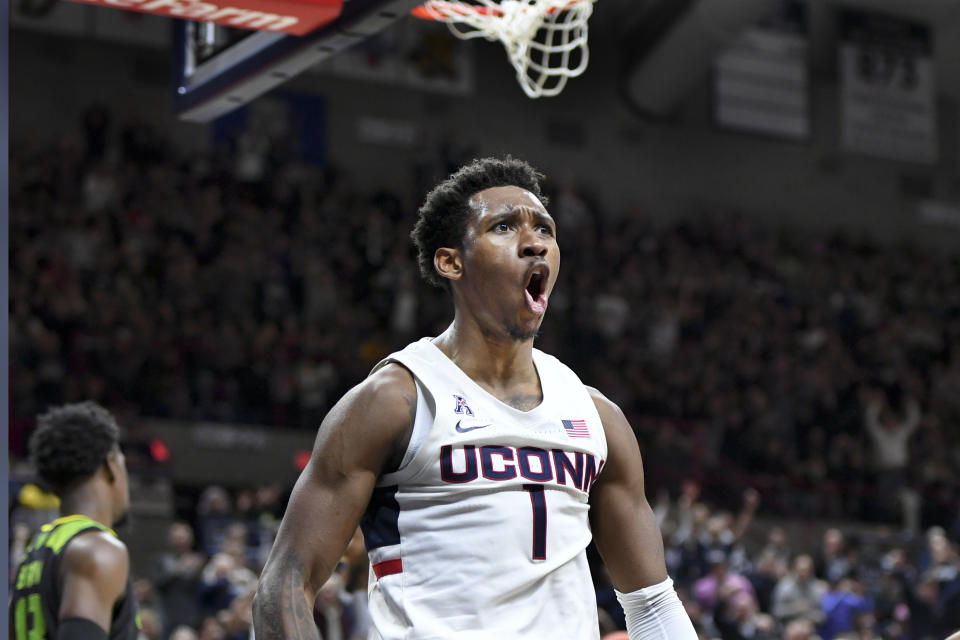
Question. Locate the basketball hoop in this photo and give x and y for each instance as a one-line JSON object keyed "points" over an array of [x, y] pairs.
{"points": [[546, 40]]}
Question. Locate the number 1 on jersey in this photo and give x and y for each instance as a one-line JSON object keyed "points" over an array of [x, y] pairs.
{"points": [[538, 503]]}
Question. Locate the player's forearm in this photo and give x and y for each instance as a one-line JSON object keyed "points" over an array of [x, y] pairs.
{"points": [[281, 610]]}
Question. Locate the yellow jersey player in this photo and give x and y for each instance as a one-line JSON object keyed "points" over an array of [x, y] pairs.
{"points": [[74, 581]]}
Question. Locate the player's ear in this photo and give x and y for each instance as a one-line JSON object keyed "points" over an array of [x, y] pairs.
{"points": [[448, 263], [112, 464]]}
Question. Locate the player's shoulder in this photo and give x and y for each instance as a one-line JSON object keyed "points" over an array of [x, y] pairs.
{"points": [[384, 400], [560, 371], [378, 413], [96, 553], [610, 412], [616, 427], [391, 380]]}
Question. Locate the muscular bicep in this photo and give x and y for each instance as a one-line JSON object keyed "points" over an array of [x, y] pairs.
{"points": [[93, 577], [358, 439], [624, 526]]}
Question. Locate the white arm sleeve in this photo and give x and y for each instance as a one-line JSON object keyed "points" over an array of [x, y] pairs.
{"points": [[656, 613]]}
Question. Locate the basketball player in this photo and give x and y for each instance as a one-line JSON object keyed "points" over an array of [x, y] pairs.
{"points": [[478, 467], [75, 579]]}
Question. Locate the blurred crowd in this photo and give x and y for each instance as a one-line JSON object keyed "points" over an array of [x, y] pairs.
{"points": [[243, 285], [738, 578], [739, 581], [826, 367], [256, 288]]}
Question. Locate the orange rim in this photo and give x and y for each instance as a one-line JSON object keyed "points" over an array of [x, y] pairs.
{"points": [[448, 8], [439, 9]]}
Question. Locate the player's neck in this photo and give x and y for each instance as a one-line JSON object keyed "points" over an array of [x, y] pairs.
{"points": [[488, 358], [86, 501]]}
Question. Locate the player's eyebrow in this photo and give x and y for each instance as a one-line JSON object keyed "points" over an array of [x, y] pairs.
{"points": [[541, 216], [544, 218]]}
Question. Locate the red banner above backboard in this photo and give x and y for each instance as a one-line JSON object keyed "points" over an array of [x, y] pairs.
{"points": [[297, 17]]}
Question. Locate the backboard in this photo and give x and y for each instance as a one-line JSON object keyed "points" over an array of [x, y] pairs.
{"points": [[220, 69]]}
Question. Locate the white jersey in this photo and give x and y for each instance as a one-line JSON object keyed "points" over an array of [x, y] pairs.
{"points": [[481, 533]]}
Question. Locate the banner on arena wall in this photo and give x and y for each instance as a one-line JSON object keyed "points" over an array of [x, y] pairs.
{"points": [[887, 87], [761, 82], [296, 17], [244, 454]]}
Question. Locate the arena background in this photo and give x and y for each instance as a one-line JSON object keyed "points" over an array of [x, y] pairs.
{"points": [[746, 297]]}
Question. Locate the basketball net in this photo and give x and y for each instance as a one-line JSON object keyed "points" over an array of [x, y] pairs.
{"points": [[546, 40]]}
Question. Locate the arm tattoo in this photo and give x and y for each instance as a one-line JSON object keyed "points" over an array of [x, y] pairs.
{"points": [[280, 609]]}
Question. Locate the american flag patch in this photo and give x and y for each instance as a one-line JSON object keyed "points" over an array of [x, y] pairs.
{"points": [[576, 428]]}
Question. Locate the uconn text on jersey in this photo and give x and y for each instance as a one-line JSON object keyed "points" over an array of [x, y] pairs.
{"points": [[497, 462]]}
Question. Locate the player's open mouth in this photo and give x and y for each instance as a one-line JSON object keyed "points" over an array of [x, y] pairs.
{"points": [[536, 289]]}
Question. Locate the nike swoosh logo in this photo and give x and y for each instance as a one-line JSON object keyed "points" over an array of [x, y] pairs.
{"points": [[466, 429]]}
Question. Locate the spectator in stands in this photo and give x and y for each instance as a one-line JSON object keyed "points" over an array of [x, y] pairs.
{"points": [[183, 633], [843, 601], [262, 518], [891, 437], [673, 555], [777, 545], [691, 519], [944, 570], [214, 516], [177, 578], [702, 620], [236, 543], [19, 538], [340, 610], [740, 620], [927, 618], [864, 627], [223, 579], [237, 619], [766, 571], [798, 594], [724, 533], [151, 627], [720, 585], [356, 573], [800, 629], [32, 505], [831, 559], [211, 629], [329, 611]]}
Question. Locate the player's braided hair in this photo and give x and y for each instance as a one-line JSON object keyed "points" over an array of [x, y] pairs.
{"points": [[442, 219], [71, 442]]}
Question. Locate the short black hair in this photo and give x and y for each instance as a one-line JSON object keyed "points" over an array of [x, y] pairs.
{"points": [[71, 442], [442, 219]]}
